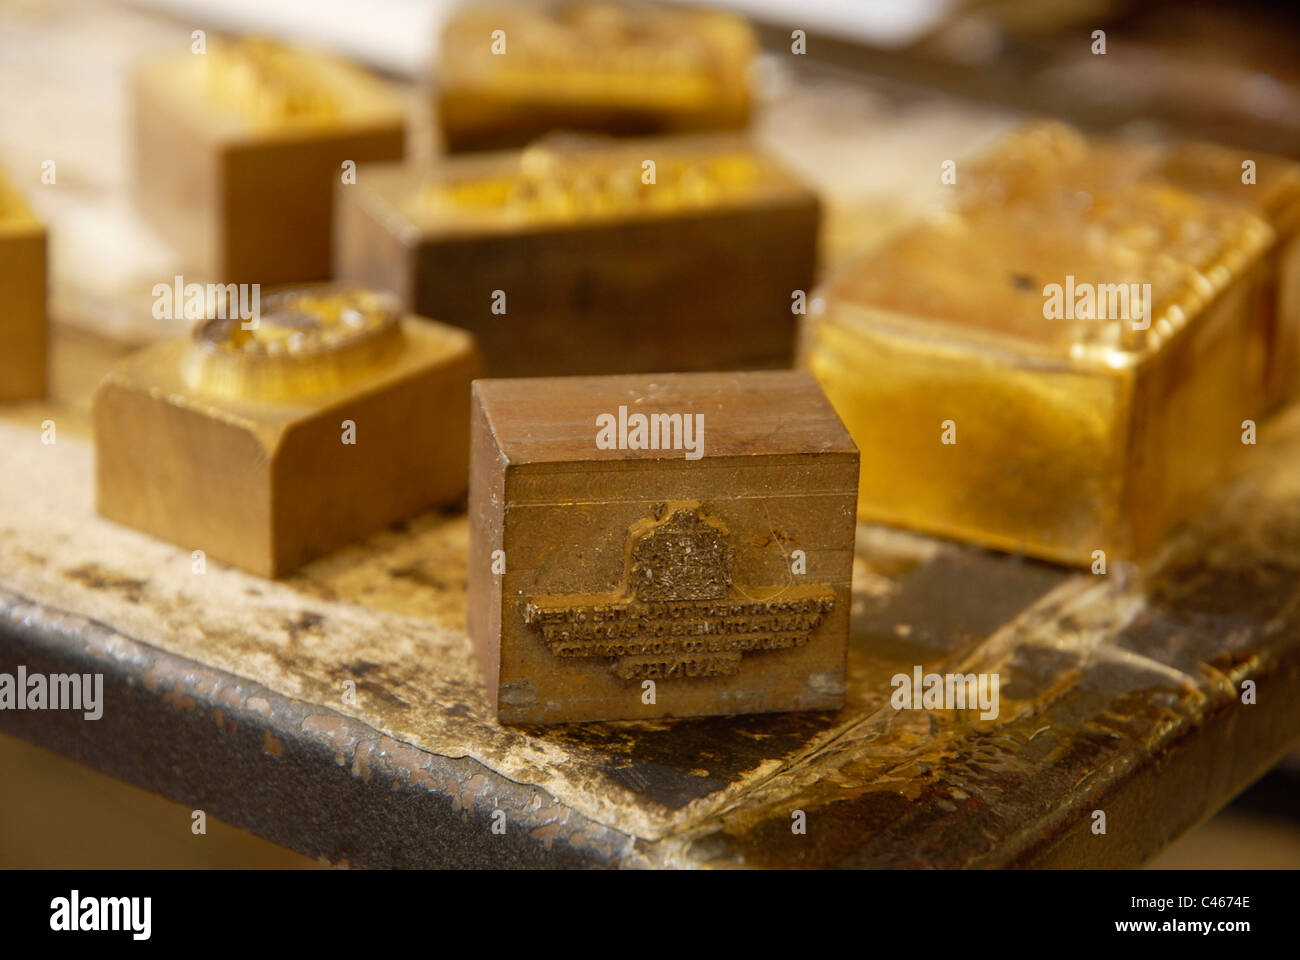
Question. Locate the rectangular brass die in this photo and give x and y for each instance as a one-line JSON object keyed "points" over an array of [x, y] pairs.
{"points": [[273, 469], [237, 150], [1216, 173], [22, 293], [981, 419], [595, 569], [1047, 164], [509, 73], [562, 261]]}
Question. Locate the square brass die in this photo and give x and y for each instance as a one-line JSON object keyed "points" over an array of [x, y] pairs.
{"points": [[22, 293], [237, 151], [1048, 165], [1215, 172], [986, 414], [266, 448], [563, 260], [619, 569], [511, 72]]}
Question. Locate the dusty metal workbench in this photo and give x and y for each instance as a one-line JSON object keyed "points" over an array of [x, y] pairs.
{"points": [[1119, 693]]}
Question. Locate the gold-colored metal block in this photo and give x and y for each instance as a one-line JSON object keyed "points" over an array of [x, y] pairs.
{"points": [[675, 545], [988, 411], [267, 447], [237, 151], [511, 72], [22, 292], [563, 259], [1215, 172], [1050, 165]]}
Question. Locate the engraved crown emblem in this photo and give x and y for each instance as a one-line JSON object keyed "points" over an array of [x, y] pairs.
{"points": [[687, 557]]}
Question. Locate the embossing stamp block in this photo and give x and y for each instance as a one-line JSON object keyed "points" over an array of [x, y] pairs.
{"points": [[511, 72], [564, 260], [693, 530], [1062, 366], [267, 447], [237, 151], [22, 291], [1045, 164]]}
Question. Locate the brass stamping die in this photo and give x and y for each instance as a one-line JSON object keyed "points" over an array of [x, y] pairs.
{"points": [[237, 151], [676, 545], [22, 291], [564, 259], [1048, 165], [332, 418], [510, 73], [1215, 173], [1058, 377]]}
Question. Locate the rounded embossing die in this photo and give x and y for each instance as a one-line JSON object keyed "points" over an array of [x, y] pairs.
{"points": [[269, 441]]}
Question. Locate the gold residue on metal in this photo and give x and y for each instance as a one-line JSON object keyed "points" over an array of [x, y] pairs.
{"points": [[267, 82], [558, 182], [15, 215], [619, 53], [11, 208], [284, 430], [302, 343], [1070, 322], [511, 72], [23, 358]]}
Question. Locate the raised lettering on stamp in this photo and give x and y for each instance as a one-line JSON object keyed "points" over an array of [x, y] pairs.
{"points": [[679, 612]]}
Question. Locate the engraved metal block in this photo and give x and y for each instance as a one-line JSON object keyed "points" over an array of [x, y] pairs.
{"points": [[1048, 165], [1215, 172], [265, 448], [511, 72], [22, 292], [563, 260], [237, 151], [605, 554], [985, 413]]}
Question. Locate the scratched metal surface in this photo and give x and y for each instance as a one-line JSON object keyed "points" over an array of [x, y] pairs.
{"points": [[224, 690]]}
